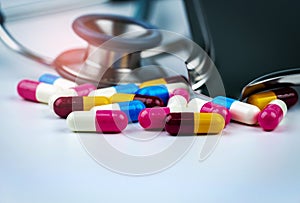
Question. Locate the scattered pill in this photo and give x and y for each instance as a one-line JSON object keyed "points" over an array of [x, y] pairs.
{"points": [[270, 117], [56, 81], [63, 106], [287, 94], [203, 106], [103, 121], [37, 91], [154, 118], [132, 109], [194, 123], [161, 91], [109, 91], [149, 101], [80, 90], [240, 111]]}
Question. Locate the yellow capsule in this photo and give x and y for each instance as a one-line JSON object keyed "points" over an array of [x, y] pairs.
{"points": [[89, 102], [262, 99], [208, 123], [194, 123], [160, 81], [121, 97]]}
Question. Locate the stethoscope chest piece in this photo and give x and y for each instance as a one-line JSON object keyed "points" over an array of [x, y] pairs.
{"points": [[114, 49]]}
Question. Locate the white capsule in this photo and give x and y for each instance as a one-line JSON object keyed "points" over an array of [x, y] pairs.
{"points": [[177, 103], [83, 121], [240, 111], [195, 105], [109, 91]]}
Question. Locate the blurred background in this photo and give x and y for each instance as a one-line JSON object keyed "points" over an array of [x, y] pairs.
{"points": [[248, 38]]}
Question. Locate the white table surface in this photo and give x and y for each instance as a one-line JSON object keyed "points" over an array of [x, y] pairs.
{"points": [[42, 161]]}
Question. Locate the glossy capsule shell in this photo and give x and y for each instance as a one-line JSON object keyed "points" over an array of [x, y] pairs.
{"points": [[168, 80], [109, 91], [194, 123], [287, 94], [37, 91], [103, 121], [154, 118], [203, 106], [80, 90], [132, 109], [63, 106], [270, 117], [149, 101], [161, 91], [56, 81], [240, 111]]}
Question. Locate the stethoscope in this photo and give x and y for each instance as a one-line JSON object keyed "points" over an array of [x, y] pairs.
{"points": [[115, 48]]}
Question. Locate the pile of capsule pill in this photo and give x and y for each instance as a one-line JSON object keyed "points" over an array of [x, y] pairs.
{"points": [[160, 104]]}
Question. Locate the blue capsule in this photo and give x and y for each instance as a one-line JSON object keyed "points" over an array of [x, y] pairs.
{"points": [[157, 91], [57, 81], [132, 109]]}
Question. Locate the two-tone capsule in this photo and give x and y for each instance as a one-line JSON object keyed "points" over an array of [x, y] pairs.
{"points": [[63, 106], [240, 111], [37, 91], [103, 121], [188, 123], [154, 118], [161, 81], [56, 81], [286, 94], [80, 90], [200, 105], [109, 91], [161, 91], [149, 101], [132, 109], [270, 117]]}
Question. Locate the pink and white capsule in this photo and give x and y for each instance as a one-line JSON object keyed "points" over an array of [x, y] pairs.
{"points": [[203, 106], [183, 92], [103, 121], [36, 91], [270, 117]]}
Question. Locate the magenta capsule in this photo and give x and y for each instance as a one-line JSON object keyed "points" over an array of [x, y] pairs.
{"points": [[104, 121], [200, 105], [270, 117], [154, 118]]}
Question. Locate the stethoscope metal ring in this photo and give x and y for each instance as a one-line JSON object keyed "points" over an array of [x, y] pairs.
{"points": [[86, 27]]}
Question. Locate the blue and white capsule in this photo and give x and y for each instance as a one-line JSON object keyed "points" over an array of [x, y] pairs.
{"points": [[240, 111], [57, 81], [132, 109], [161, 91], [109, 91]]}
